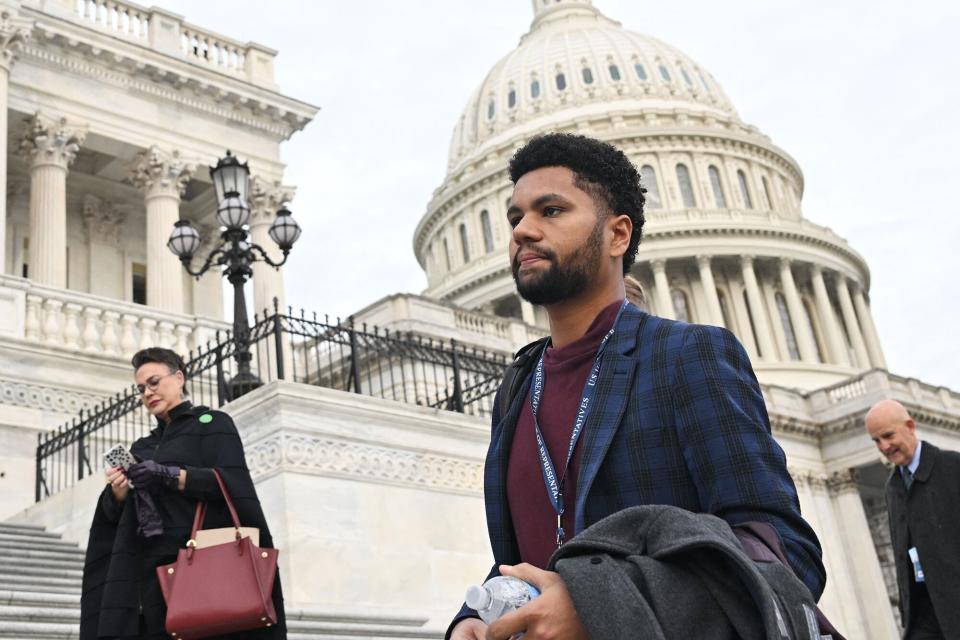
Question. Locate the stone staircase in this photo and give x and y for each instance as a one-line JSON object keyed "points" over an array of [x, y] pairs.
{"points": [[40, 597]]}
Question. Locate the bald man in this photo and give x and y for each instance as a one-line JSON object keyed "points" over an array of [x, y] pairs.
{"points": [[923, 503]]}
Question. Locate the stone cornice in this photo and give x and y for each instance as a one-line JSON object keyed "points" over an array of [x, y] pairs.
{"points": [[71, 47], [47, 398], [330, 456]]}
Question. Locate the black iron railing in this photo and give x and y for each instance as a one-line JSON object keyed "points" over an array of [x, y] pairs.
{"points": [[404, 367]]}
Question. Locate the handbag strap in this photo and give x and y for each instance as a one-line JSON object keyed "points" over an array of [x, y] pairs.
{"points": [[201, 511]]}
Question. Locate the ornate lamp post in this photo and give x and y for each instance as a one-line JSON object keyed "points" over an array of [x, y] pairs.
{"points": [[235, 254]]}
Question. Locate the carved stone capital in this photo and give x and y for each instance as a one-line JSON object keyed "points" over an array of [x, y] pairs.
{"points": [[51, 141], [160, 173], [14, 32], [842, 481], [266, 197], [103, 221]]}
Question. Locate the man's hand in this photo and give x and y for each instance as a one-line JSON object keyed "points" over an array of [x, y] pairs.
{"points": [[548, 617], [469, 629], [118, 482]]}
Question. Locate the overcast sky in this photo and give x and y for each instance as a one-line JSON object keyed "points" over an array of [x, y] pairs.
{"points": [[863, 94]]}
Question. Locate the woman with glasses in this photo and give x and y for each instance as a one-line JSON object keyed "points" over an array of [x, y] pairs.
{"points": [[145, 514]]}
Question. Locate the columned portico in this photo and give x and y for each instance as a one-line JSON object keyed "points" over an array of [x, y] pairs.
{"points": [[801, 327], [13, 33], [661, 288], [265, 199], [836, 349], [757, 309], [162, 176], [51, 144], [869, 329], [850, 319], [710, 290]]}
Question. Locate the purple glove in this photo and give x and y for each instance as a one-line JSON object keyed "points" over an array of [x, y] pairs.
{"points": [[150, 475]]}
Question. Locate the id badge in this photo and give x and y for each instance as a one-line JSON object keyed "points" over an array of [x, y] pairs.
{"points": [[915, 561]]}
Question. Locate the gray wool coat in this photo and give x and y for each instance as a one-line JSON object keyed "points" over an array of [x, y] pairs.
{"points": [[928, 517], [663, 573]]}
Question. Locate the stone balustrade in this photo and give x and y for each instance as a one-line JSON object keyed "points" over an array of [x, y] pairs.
{"points": [[168, 33], [75, 321]]}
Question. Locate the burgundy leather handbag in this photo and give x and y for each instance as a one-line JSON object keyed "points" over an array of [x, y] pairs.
{"points": [[220, 589]]}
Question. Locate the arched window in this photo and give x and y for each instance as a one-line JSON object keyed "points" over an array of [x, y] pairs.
{"points": [[680, 308], [725, 310], [464, 243], [686, 77], [512, 98], [704, 81], [665, 74], [744, 191], [614, 73], [561, 82], [753, 324], [535, 89], [446, 254], [686, 187], [640, 70], [587, 76], [787, 327], [491, 109], [766, 191], [487, 231], [813, 330], [648, 177], [718, 196]]}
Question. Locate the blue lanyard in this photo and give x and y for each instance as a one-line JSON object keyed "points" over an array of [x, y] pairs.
{"points": [[553, 484]]}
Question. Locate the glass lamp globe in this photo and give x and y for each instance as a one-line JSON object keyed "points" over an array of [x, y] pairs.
{"points": [[284, 229], [184, 240], [230, 177], [233, 212]]}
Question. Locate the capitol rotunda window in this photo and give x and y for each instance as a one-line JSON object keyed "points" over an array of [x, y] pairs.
{"points": [[640, 70], [718, 196], [648, 179], [686, 187], [487, 230], [744, 190], [561, 82], [614, 73]]}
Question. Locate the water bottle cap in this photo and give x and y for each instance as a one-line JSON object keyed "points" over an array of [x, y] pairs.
{"points": [[478, 598]]}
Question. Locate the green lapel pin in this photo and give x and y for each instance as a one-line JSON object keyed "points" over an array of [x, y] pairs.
{"points": [[206, 418]]}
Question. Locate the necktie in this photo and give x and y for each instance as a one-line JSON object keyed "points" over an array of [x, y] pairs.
{"points": [[907, 478]]}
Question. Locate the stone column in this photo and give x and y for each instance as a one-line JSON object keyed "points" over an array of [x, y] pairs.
{"points": [[662, 289], [836, 345], [51, 145], [710, 290], [162, 176], [869, 329], [850, 319], [761, 324], [861, 556], [801, 328], [13, 33], [265, 199]]}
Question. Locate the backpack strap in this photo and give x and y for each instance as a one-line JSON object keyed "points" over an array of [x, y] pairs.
{"points": [[517, 371]]}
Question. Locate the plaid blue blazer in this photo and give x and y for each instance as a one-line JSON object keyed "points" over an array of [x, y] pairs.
{"points": [[678, 419]]}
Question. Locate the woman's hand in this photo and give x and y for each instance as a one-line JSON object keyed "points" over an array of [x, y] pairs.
{"points": [[151, 475], [118, 482]]}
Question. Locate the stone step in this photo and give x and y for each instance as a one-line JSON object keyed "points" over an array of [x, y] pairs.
{"points": [[41, 565], [307, 629], [22, 542], [57, 583], [40, 630], [39, 614], [10, 555], [29, 531], [33, 599]]}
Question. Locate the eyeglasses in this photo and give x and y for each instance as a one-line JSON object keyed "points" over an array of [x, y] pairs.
{"points": [[153, 383]]}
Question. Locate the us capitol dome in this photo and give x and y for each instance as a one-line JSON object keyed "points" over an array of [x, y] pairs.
{"points": [[725, 242]]}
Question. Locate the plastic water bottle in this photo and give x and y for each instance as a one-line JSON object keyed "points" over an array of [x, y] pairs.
{"points": [[499, 596]]}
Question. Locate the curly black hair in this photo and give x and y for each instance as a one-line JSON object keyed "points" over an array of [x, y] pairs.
{"points": [[600, 169]]}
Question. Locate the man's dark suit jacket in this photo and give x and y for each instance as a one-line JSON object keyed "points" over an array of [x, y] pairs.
{"points": [[678, 419], [928, 517]]}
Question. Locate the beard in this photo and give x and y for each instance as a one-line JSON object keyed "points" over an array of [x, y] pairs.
{"points": [[562, 280]]}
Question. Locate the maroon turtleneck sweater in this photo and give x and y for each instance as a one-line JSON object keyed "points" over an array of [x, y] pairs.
{"points": [[566, 370]]}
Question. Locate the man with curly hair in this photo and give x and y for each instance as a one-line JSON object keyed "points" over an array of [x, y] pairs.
{"points": [[617, 408]]}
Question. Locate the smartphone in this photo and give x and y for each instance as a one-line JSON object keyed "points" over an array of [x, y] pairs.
{"points": [[119, 456]]}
